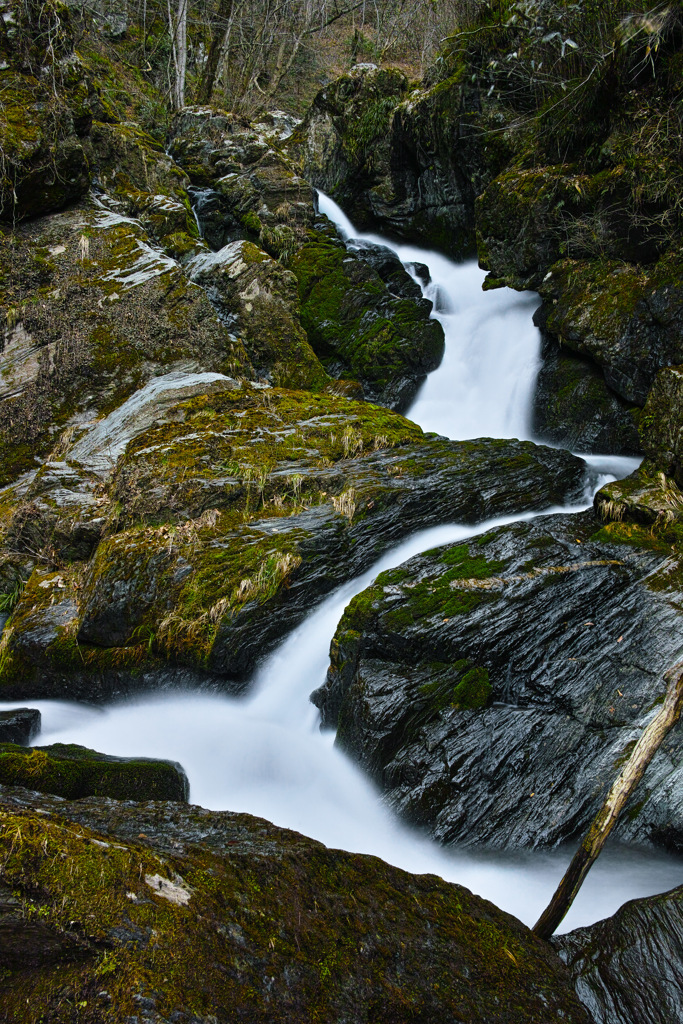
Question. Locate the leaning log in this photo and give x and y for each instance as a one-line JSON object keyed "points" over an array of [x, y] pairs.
{"points": [[606, 818]]}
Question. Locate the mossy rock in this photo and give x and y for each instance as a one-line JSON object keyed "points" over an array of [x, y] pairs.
{"points": [[227, 515], [94, 309], [260, 297], [457, 678], [44, 160], [197, 914], [574, 407], [71, 771], [623, 317], [359, 329]]}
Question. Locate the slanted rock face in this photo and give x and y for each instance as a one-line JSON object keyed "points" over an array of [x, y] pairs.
{"points": [[228, 518], [573, 406], [626, 319], [94, 310], [492, 688], [247, 921], [627, 968], [72, 771], [258, 300]]}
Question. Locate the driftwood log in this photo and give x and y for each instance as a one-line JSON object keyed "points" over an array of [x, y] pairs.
{"points": [[606, 818]]}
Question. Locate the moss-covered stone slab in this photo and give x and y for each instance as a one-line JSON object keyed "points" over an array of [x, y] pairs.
{"points": [[228, 516], [73, 772], [200, 915], [492, 688]]}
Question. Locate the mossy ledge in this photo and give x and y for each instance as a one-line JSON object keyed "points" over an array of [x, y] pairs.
{"points": [[193, 915]]}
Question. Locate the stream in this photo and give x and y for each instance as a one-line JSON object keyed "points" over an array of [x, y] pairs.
{"points": [[264, 753]]}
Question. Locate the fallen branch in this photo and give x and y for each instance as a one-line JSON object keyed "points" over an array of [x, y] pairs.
{"points": [[606, 818]]}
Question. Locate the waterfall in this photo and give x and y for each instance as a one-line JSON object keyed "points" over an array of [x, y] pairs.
{"points": [[264, 753]]}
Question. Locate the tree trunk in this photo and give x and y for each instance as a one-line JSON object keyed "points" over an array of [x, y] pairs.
{"points": [[606, 818], [220, 31]]}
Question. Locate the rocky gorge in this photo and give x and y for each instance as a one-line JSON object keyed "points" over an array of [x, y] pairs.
{"points": [[203, 434]]}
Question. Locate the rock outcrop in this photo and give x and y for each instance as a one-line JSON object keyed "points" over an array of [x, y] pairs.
{"points": [[19, 726], [627, 968], [177, 914], [457, 678], [195, 531]]}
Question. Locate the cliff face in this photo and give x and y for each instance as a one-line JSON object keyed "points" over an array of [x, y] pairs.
{"points": [[547, 140]]}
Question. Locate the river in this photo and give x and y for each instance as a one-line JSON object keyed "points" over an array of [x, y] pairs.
{"points": [[264, 753]]}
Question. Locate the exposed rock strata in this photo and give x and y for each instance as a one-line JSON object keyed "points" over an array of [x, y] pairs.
{"points": [[627, 969], [458, 678], [215, 520]]}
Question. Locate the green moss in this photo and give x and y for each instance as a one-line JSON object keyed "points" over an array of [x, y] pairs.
{"points": [[464, 687], [72, 771]]}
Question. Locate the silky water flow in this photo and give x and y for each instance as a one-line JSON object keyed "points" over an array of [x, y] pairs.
{"points": [[265, 754]]}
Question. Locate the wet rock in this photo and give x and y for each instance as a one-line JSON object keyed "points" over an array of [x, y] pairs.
{"points": [[407, 160], [627, 968], [258, 300], [234, 512], [19, 726], [573, 407], [245, 920], [386, 263], [72, 771], [458, 678], [652, 495], [625, 318]]}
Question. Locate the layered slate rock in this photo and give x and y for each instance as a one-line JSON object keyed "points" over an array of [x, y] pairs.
{"points": [[492, 688], [225, 516], [364, 316], [71, 771], [627, 968], [243, 920], [95, 309], [19, 725]]}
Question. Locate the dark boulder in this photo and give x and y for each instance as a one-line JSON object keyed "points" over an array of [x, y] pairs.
{"points": [[360, 327], [493, 687], [72, 771], [628, 969], [573, 406], [19, 726]]}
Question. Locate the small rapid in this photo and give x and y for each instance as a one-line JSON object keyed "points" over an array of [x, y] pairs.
{"points": [[264, 753]]}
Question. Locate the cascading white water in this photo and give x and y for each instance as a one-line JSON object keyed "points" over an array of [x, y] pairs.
{"points": [[264, 753], [484, 385]]}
